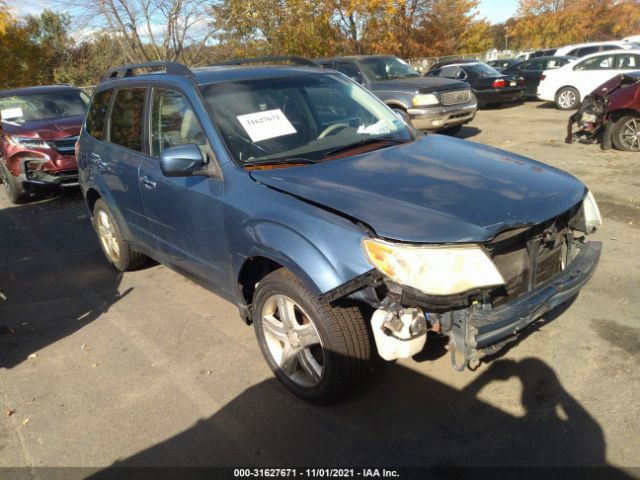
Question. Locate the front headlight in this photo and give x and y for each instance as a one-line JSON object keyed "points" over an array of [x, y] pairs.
{"points": [[588, 218], [434, 270], [425, 100], [27, 142]]}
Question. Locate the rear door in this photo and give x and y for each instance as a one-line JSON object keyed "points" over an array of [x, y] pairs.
{"points": [[626, 62], [185, 213], [120, 158], [592, 72]]}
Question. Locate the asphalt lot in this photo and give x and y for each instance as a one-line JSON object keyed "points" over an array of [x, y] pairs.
{"points": [[146, 368]]}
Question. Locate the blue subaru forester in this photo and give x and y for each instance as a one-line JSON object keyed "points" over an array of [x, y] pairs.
{"points": [[337, 229]]}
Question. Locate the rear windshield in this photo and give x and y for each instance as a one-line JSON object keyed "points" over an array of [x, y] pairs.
{"points": [[42, 106]]}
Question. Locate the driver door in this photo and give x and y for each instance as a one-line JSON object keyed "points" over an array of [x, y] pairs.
{"points": [[185, 213]]}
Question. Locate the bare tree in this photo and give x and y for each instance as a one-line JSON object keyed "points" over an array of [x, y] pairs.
{"points": [[148, 30]]}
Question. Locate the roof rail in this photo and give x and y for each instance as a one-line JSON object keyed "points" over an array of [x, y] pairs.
{"points": [[171, 68], [285, 58]]}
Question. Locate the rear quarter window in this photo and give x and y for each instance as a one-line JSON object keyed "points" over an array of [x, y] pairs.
{"points": [[97, 114], [127, 114]]}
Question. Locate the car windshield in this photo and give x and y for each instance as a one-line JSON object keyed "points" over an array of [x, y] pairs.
{"points": [[42, 106], [481, 70], [383, 68], [299, 118]]}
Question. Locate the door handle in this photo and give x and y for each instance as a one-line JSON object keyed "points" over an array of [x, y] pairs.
{"points": [[147, 182]]}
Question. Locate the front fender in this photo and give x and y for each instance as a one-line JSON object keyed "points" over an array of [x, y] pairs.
{"points": [[322, 263]]}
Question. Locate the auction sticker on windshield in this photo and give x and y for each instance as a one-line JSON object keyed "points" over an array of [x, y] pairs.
{"points": [[265, 125], [8, 113]]}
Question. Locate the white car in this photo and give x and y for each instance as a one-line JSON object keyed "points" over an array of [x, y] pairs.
{"points": [[567, 86], [583, 49]]}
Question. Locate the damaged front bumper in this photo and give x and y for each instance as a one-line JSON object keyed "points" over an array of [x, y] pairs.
{"points": [[32, 173], [482, 332], [475, 331]]}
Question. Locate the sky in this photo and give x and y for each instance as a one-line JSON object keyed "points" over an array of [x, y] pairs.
{"points": [[495, 11]]}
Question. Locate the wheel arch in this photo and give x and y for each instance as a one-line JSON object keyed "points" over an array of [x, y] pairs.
{"points": [[274, 246], [90, 198], [396, 104], [616, 115]]}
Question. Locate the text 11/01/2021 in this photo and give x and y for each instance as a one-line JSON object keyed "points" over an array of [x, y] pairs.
{"points": [[315, 473]]}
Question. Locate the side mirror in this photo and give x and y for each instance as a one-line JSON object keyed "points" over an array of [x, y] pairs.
{"points": [[357, 78], [182, 161]]}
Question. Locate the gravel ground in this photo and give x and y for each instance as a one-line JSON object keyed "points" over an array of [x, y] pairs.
{"points": [[146, 368]]}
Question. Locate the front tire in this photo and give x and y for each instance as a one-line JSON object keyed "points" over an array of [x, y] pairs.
{"points": [[118, 252], [567, 98], [625, 134], [316, 350], [451, 130], [401, 113], [12, 186]]}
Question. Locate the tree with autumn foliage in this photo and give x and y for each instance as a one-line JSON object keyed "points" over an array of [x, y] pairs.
{"points": [[552, 23]]}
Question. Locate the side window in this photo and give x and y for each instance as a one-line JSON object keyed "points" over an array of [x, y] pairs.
{"points": [[627, 61], [605, 48], [534, 66], [587, 51], [555, 63], [173, 122], [602, 62], [349, 69], [125, 123], [97, 114], [434, 73], [452, 72], [574, 52]]}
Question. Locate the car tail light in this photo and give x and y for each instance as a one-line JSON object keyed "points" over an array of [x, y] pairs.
{"points": [[521, 82], [499, 83], [542, 77]]}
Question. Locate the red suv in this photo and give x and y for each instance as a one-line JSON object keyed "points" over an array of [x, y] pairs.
{"points": [[40, 127], [610, 114]]}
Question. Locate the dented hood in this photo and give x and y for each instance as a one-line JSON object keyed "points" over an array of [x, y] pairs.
{"points": [[433, 190]]}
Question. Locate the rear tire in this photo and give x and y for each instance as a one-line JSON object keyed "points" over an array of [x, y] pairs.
{"points": [[625, 134], [567, 98], [12, 186], [118, 252], [316, 350]]}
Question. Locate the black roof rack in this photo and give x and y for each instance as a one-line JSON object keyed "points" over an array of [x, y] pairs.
{"points": [[171, 68], [286, 58]]}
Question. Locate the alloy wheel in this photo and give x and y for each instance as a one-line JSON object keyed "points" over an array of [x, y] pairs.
{"points": [[630, 134], [293, 340], [107, 234], [567, 99]]}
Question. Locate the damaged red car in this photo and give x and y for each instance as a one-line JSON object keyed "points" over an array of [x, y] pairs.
{"points": [[40, 127], [610, 115]]}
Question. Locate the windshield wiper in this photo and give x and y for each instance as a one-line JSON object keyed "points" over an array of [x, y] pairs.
{"points": [[388, 77], [278, 161], [412, 75], [366, 141]]}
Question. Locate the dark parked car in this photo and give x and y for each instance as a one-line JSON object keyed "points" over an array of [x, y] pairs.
{"points": [[548, 52], [40, 126], [502, 63], [531, 70], [429, 104], [335, 228], [610, 114], [488, 85]]}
